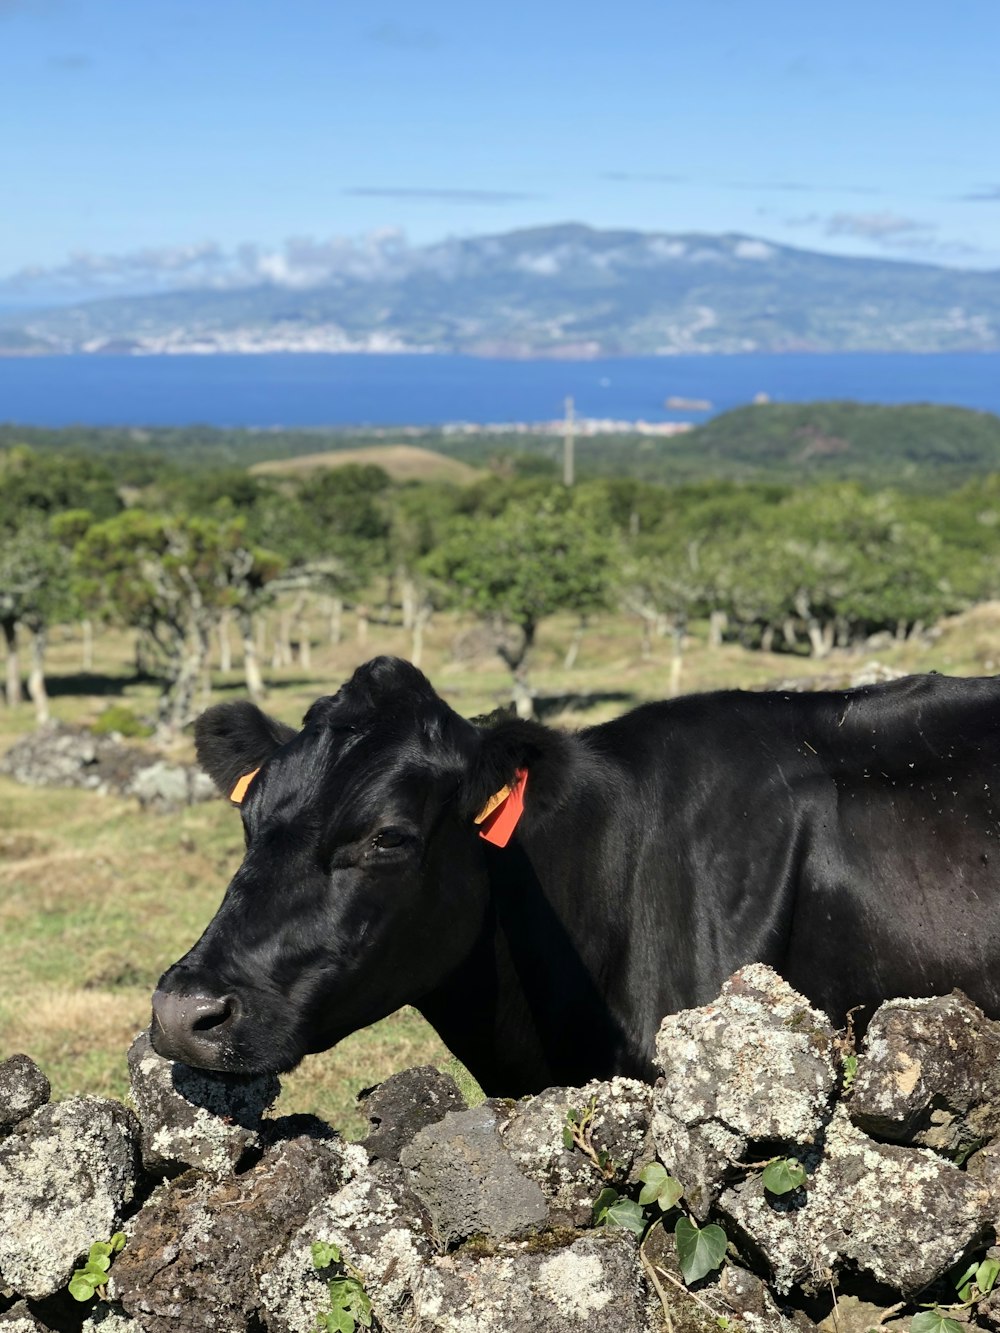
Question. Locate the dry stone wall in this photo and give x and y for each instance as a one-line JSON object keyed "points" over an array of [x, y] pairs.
{"points": [[457, 1219]]}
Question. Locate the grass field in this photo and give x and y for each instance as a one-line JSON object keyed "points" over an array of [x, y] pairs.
{"points": [[97, 897]]}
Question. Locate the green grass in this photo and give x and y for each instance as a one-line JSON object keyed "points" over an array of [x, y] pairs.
{"points": [[97, 897]]}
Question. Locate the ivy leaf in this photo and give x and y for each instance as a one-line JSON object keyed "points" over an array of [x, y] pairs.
{"points": [[702, 1249], [99, 1263], [336, 1321], [602, 1203], [99, 1249], [324, 1254], [659, 1187], [81, 1288], [117, 1242], [626, 1214], [987, 1274], [783, 1175], [567, 1137], [934, 1321]]}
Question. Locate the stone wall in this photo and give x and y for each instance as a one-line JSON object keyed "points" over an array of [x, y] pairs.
{"points": [[481, 1220]]}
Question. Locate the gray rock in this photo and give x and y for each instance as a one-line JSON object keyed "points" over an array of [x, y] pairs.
{"points": [[65, 1176], [594, 1283], [756, 1064], [930, 1074], [194, 1117], [109, 1318], [166, 787], [23, 1089], [380, 1231], [19, 1319], [404, 1104], [195, 1251], [903, 1215], [532, 1132], [467, 1181]]}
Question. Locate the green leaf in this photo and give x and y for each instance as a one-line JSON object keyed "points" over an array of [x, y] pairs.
{"points": [[324, 1254], [935, 1321], [98, 1249], [987, 1274], [117, 1242], [335, 1321], [626, 1214], [81, 1288], [567, 1137], [98, 1263], [659, 1187], [783, 1175], [702, 1249], [602, 1203]]}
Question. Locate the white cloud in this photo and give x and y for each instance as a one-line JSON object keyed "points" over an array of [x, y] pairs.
{"points": [[883, 226], [748, 249]]}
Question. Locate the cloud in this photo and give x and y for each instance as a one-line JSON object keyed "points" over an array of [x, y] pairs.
{"points": [[986, 194], [71, 64], [885, 227], [451, 196], [403, 38], [654, 177]]}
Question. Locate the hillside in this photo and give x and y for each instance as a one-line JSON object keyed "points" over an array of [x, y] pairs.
{"points": [[403, 462], [568, 291]]}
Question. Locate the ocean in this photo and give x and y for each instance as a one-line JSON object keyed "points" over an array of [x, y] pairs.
{"points": [[354, 390]]}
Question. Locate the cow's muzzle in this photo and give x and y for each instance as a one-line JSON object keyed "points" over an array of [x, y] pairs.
{"points": [[194, 1027]]}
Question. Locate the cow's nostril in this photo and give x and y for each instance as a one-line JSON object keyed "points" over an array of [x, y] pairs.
{"points": [[214, 1014]]}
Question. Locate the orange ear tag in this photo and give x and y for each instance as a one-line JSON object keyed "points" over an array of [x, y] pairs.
{"points": [[499, 816], [240, 790]]}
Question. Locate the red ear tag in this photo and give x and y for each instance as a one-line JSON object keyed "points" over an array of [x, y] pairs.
{"points": [[499, 825], [240, 790]]}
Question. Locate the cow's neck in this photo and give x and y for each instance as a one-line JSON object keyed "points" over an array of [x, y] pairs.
{"points": [[524, 1011]]}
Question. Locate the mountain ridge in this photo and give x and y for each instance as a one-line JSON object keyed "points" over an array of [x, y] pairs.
{"points": [[561, 290]]}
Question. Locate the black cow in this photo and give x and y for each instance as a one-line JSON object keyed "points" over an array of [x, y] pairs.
{"points": [[849, 839]]}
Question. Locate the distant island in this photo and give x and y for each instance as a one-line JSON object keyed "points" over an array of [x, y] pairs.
{"points": [[566, 291]]}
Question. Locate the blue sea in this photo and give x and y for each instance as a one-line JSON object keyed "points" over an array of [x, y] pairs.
{"points": [[353, 390]]}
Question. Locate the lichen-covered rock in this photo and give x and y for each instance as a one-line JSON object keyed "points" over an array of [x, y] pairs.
{"points": [[903, 1215], [19, 1319], [930, 1074], [468, 1182], [403, 1104], [66, 1173], [594, 1283], [23, 1089], [532, 1132], [381, 1232], [756, 1064], [195, 1251], [109, 1318], [166, 787], [194, 1117]]}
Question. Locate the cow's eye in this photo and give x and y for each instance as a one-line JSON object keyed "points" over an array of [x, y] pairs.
{"points": [[388, 839]]}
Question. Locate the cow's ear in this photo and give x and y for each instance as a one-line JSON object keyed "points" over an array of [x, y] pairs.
{"points": [[234, 739], [509, 746]]}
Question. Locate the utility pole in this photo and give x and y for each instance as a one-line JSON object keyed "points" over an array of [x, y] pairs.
{"points": [[569, 440]]}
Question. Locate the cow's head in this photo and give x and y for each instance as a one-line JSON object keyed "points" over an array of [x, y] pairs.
{"points": [[364, 882]]}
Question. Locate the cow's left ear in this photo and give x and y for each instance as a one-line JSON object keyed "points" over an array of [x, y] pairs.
{"points": [[234, 739], [507, 748]]}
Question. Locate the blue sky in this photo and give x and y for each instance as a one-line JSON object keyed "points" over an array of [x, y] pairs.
{"points": [[145, 138]]}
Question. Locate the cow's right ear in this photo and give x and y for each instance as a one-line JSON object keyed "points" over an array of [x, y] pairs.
{"points": [[234, 739]]}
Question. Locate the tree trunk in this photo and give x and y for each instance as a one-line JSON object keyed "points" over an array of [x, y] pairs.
{"points": [[573, 651], [87, 644], [677, 658], [842, 627], [225, 643], [717, 624], [281, 654], [767, 639], [14, 696], [36, 677], [410, 602], [820, 638], [789, 632], [421, 619], [336, 620], [361, 615], [251, 664]]}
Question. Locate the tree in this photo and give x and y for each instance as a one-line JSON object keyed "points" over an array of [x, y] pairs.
{"points": [[170, 578], [530, 561]]}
